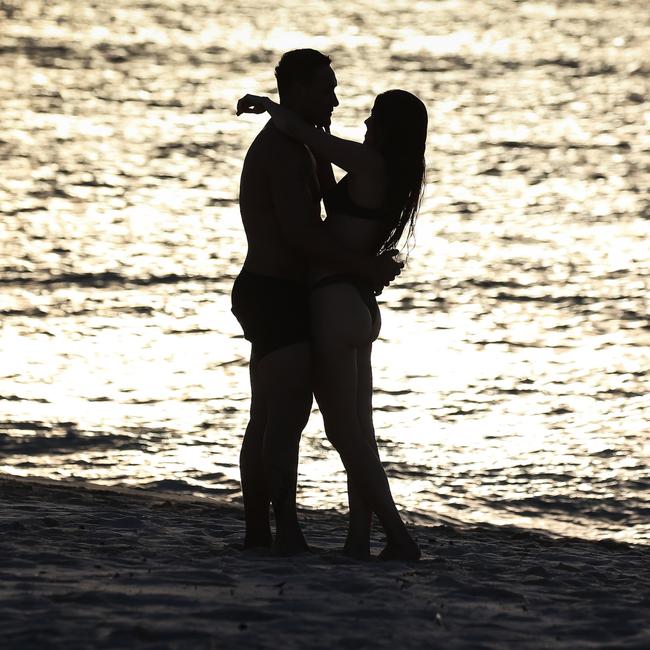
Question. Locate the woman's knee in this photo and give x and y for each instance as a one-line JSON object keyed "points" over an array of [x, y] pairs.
{"points": [[345, 440]]}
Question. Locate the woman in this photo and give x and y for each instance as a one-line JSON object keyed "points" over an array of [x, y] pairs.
{"points": [[367, 211]]}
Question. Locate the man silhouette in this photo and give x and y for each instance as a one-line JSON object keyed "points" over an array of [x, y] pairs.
{"points": [[280, 207]]}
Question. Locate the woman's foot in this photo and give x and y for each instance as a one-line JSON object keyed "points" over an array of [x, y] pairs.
{"points": [[405, 550], [357, 550]]}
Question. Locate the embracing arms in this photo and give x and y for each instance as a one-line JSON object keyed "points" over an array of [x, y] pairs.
{"points": [[302, 228], [346, 154]]}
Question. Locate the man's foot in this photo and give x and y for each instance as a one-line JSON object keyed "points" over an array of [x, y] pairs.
{"points": [[287, 545], [257, 536], [251, 543]]}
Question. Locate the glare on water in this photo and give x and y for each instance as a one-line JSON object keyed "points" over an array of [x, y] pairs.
{"points": [[512, 373]]}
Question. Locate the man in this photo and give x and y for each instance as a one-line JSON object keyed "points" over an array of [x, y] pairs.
{"points": [[280, 208]]}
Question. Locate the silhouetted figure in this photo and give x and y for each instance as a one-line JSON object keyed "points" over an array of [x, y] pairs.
{"points": [[367, 212], [280, 207]]}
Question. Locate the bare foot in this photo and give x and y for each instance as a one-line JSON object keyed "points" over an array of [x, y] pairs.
{"points": [[407, 551], [252, 542], [357, 551], [255, 545], [287, 545]]}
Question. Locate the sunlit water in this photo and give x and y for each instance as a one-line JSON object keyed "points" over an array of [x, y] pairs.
{"points": [[512, 374]]}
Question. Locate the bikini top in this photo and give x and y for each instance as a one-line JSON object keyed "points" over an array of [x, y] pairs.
{"points": [[340, 201]]}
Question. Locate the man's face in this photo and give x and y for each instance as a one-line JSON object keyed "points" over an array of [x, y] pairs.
{"points": [[319, 97]]}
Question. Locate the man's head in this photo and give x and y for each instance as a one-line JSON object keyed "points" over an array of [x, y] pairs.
{"points": [[306, 84]]}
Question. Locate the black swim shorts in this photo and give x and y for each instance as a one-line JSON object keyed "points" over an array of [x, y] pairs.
{"points": [[273, 312]]}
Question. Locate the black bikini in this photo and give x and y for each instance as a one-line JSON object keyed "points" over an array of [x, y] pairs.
{"points": [[274, 312], [339, 201]]}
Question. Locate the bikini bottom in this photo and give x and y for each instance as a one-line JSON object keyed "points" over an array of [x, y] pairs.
{"points": [[366, 291]]}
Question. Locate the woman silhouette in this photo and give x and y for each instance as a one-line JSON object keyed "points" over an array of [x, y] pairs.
{"points": [[368, 211]]}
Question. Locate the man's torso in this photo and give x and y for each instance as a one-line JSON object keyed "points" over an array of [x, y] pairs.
{"points": [[268, 251]]}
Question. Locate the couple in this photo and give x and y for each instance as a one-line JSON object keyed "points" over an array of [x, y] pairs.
{"points": [[305, 297]]}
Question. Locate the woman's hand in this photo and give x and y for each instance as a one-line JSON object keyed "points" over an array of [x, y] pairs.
{"points": [[284, 119], [253, 104]]}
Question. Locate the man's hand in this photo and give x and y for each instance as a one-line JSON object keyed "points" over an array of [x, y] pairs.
{"points": [[382, 270]]}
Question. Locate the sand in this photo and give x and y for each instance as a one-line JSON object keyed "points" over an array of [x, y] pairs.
{"points": [[89, 567]]}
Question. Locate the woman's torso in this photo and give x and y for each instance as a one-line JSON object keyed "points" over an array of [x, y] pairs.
{"points": [[344, 306], [356, 217]]}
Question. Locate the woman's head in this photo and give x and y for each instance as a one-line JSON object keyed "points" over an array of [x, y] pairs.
{"points": [[397, 127], [398, 120]]}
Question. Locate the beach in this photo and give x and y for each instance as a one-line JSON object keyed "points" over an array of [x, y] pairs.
{"points": [[86, 566], [511, 378]]}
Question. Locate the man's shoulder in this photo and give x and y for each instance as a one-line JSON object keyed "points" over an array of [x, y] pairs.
{"points": [[273, 145]]}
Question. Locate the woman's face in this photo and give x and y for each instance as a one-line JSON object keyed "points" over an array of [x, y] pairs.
{"points": [[371, 129]]}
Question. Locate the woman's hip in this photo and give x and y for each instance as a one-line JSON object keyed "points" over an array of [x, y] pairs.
{"points": [[344, 310]]}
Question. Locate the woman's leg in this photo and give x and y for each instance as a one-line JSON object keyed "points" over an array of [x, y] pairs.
{"points": [[336, 386], [357, 543], [364, 404]]}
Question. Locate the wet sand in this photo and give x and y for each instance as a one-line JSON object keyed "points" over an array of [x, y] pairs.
{"points": [[91, 567]]}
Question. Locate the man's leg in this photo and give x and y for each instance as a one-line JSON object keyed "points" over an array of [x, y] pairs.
{"points": [[254, 482], [285, 375]]}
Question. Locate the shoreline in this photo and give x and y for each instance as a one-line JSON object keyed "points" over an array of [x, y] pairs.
{"points": [[87, 566]]}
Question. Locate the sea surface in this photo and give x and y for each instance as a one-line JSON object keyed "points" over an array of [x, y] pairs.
{"points": [[512, 374]]}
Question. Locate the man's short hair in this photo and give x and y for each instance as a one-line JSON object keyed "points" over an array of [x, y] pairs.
{"points": [[298, 66]]}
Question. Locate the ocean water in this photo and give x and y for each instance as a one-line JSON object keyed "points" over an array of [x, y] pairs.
{"points": [[513, 371]]}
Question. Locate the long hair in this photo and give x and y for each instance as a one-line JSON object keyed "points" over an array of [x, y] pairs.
{"points": [[298, 66], [402, 127]]}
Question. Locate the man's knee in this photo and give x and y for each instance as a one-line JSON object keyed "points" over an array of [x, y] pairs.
{"points": [[284, 430], [280, 454], [255, 429], [257, 419], [291, 408]]}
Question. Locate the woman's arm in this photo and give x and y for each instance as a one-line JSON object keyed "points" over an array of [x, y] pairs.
{"points": [[349, 155]]}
